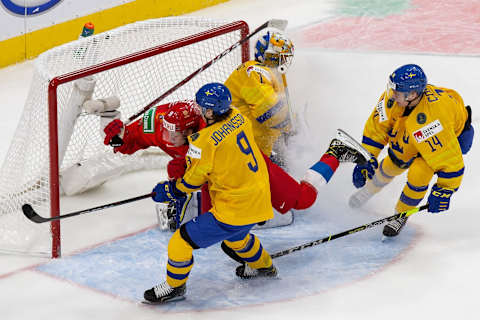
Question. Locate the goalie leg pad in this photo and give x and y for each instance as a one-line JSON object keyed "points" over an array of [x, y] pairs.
{"points": [[98, 106], [85, 87], [82, 90], [89, 174]]}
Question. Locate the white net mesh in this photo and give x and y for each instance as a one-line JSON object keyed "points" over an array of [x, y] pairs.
{"points": [[24, 176]]}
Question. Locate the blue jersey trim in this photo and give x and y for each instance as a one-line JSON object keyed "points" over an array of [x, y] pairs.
{"points": [[177, 276], [409, 201], [249, 245], [417, 189], [256, 256], [372, 143], [383, 172], [180, 264], [190, 186], [270, 112], [449, 175]]}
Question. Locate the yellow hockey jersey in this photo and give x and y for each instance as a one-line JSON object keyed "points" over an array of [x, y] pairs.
{"points": [[226, 156], [430, 130], [258, 92]]}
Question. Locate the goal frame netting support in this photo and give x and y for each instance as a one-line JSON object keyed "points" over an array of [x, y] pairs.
{"points": [[72, 76]]}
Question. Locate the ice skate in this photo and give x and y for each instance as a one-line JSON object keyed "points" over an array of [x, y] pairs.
{"points": [[360, 197], [393, 228], [246, 272], [164, 293], [346, 149]]}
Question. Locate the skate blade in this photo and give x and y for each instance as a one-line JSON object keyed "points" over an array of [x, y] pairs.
{"points": [[351, 142], [163, 302], [386, 239]]}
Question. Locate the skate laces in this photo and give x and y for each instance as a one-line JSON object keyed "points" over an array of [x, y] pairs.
{"points": [[249, 271], [397, 223], [162, 289], [342, 152]]}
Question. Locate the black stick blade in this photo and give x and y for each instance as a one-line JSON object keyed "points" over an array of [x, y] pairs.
{"points": [[32, 215]]}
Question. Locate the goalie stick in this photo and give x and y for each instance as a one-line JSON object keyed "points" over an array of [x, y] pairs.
{"points": [[273, 23], [351, 231], [30, 213]]}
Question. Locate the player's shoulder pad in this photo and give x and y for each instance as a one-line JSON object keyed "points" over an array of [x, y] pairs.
{"points": [[194, 151]]}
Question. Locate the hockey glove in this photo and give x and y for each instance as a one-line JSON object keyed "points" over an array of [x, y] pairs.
{"points": [[364, 171], [112, 129], [176, 168], [439, 199], [167, 191]]}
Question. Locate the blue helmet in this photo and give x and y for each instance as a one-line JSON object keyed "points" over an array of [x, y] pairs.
{"points": [[409, 77], [215, 96]]}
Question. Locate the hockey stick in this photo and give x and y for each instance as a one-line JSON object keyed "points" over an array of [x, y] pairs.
{"points": [[274, 23], [30, 213], [289, 105], [348, 232]]}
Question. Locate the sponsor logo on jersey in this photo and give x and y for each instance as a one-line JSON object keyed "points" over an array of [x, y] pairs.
{"points": [[428, 131], [421, 118], [149, 121], [28, 7], [261, 71], [194, 152], [381, 111]]}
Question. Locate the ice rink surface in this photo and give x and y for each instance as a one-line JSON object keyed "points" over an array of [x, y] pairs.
{"points": [[344, 53]]}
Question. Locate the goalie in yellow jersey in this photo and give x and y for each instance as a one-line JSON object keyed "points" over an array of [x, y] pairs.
{"points": [[224, 155], [427, 129], [258, 89]]}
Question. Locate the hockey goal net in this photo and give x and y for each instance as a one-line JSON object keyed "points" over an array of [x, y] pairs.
{"points": [[136, 63]]}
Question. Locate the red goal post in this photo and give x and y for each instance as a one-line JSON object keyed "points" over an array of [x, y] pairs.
{"points": [[181, 46]]}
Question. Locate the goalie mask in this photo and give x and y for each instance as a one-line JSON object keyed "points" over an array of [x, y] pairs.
{"points": [[274, 50], [182, 119]]}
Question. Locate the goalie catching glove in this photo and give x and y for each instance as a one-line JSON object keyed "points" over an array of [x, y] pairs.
{"points": [[167, 191]]}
